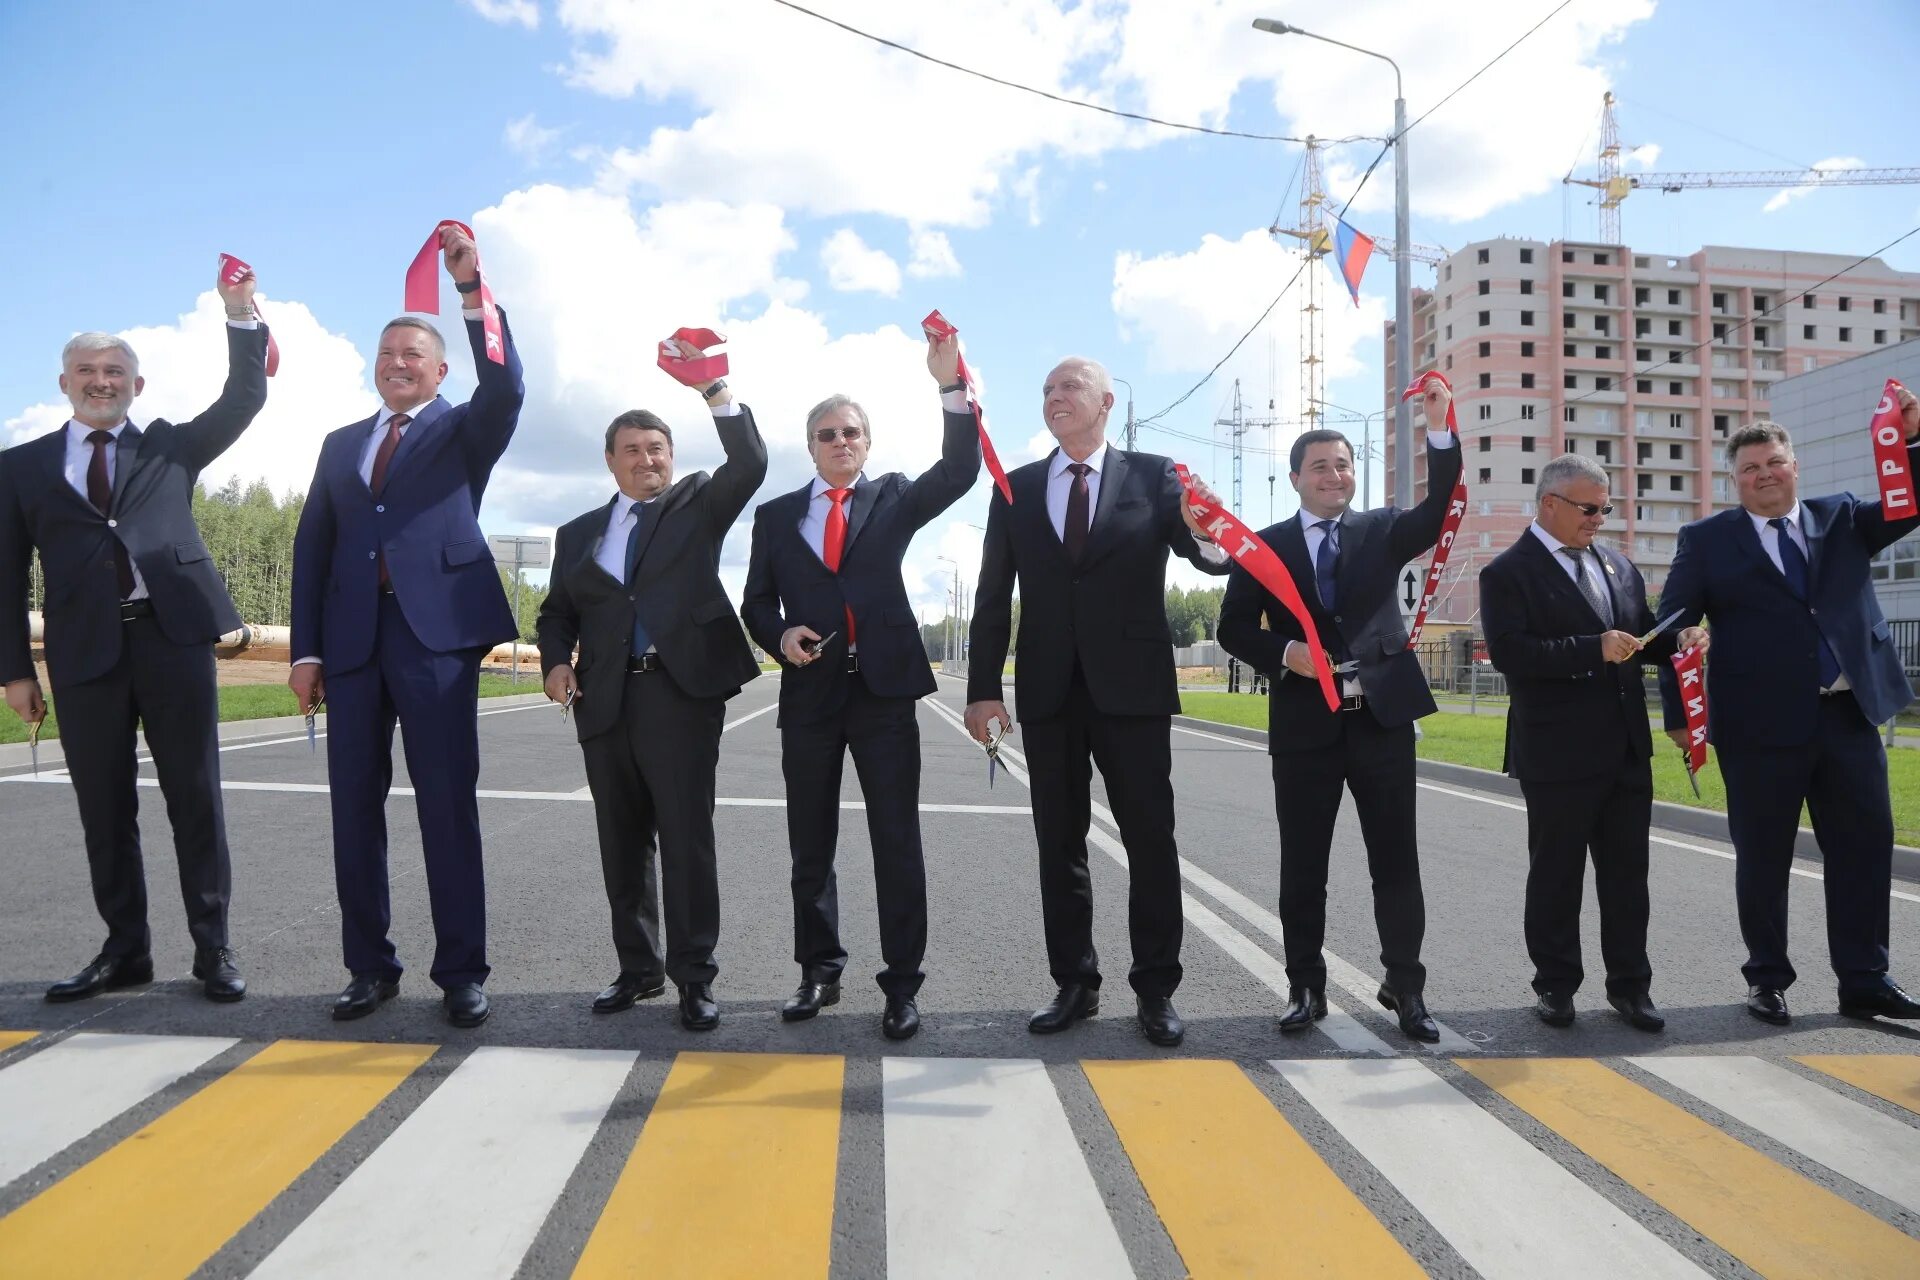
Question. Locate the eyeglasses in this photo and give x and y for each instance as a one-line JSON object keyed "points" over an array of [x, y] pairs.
{"points": [[1587, 509], [827, 435]]}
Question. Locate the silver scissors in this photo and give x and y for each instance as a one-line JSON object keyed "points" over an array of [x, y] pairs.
{"points": [[993, 753], [566, 704], [313, 709], [1671, 619], [33, 742]]}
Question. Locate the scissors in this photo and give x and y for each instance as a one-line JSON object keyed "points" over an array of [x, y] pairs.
{"points": [[813, 647], [1670, 620], [993, 753], [567, 703], [313, 709], [1686, 759], [33, 743]]}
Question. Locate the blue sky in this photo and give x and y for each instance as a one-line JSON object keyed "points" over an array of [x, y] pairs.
{"points": [[631, 167]]}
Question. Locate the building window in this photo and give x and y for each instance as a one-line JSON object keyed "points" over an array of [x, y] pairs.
{"points": [[1846, 334], [1673, 297], [1643, 354], [1879, 335], [1526, 286], [1599, 259], [1676, 389], [1566, 288], [1571, 383], [1719, 302], [1720, 423], [1526, 475], [1486, 413], [1675, 483], [1569, 351], [1449, 333], [1486, 442], [1673, 420], [1449, 362], [1603, 450], [1600, 293], [1760, 303], [1673, 328], [1603, 352], [1486, 349], [1486, 382], [1486, 287], [1645, 484], [1879, 306], [1526, 382], [1719, 333], [1526, 412], [1603, 384], [1807, 301], [1526, 444], [1485, 255], [1566, 255], [1760, 338], [1675, 357], [1526, 319], [1486, 475], [1806, 331], [1673, 450], [1644, 386], [1644, 452], [1568, 414], [1641, 328], [1526, 256], [1526, 350], [1486, 318], [1846, 304], [1642, 296], [1600, 324]]}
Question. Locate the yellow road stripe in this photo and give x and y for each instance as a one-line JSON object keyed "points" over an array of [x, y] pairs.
{"points": [[1239, 1191], [1893, 1076], [163, 1201], [732, 1174], [1772, 1219], [8, 1039]]}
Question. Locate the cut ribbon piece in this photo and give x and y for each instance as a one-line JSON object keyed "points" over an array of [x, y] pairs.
{"points": [[697, 372], [936, 326], [1897, 500], [1244, 547], [1456, 509], [423, 290], [1693, 697], [231, 271]]}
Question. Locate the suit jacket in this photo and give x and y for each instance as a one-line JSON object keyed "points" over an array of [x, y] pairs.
{"points": [[1374, 547], [1574, 714], [788, 585], [675, 587], [426, 520], [1107, 614], [1762, 672], [152, 516]]}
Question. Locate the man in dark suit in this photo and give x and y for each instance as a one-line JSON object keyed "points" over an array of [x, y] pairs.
{"points": [[824, 592], [1563, 616], [1086, 538], [636, 585], [1348, 563], [1803, 671], [395, 602], [133, 606]]}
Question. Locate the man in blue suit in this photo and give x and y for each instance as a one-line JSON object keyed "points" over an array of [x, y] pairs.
{"points": [[1802, 672], [395, 602]]}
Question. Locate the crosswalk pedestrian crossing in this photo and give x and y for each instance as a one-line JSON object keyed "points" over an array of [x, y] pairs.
{"points": [[146, 1155]]}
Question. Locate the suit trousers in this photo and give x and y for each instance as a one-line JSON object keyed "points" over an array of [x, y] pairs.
{"points": [[435, 698], [652, 778], [1842, 777], [1376, 764], [1135, 756], [1609, 815], [884, 738], [168, 691]]}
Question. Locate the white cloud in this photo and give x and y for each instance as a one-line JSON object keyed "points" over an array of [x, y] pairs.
{"points": [[1644, 157], [932, 255], [852, 266], [529, 139], [1833, 164], [524, 12]]}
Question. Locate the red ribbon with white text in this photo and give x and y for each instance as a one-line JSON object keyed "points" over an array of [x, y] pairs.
{"points": [[1456, 509], [232, 270], [423, 290], [1693, 698], [698, 372], [1897, 500], [936, 326], [1244, 547]]}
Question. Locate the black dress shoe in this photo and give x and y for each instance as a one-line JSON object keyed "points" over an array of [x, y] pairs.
{"points": [[1072, 1004], [901, 1019], [1160, 1023], [1887, 1001], [1412, 1012], [362, 996], [1769, 1004], [106, 973], [1554, 1009], [698, 1012], [1305, 1006], [626, 989], [466, 1005], [1637, 1008], [808, 1000], [215, 968]]}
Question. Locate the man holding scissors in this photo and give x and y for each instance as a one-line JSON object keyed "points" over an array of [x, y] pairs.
{"points": [[1567, 623], [824, 592]]}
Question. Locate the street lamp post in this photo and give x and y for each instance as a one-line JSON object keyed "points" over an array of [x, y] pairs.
{"points": [[1402, 264], [953, 602], [1366, 448], [1130, 430]]}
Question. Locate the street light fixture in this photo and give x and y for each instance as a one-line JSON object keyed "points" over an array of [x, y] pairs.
{"points": [[1366, 448]]}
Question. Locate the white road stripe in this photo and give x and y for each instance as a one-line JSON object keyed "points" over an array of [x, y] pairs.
{"points": [[52, 1099], [986, 1178], [1855, 1141], [461, 1187], [1511, 1210]]}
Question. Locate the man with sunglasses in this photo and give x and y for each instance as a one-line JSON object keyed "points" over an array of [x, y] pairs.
{"points": [[1564, 617], [825, 593]]}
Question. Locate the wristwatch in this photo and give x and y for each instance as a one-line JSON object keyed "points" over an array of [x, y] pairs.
{"points": [[467, 286], [714, 390], [958, 386]]}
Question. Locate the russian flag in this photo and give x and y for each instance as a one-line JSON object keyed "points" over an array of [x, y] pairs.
{"points": [[1351, 251]]}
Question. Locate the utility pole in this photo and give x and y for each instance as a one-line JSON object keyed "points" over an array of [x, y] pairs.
{"points": [[1240, 424], [1128, 436]]}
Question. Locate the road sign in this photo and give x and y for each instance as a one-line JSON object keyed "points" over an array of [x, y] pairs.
{"points": [[520, 552], [1406, 592]]}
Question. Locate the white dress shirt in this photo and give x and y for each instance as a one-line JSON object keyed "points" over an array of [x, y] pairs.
{"points": [[813, 526], [80, 458], [1060, 487], [1554, 545]]}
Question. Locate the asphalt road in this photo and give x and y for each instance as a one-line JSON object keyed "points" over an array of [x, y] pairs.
{"points": [[975, 1147]]}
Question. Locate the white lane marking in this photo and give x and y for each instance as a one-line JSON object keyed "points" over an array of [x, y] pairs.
{"points": [[461, 1187], [586, 792], [52, 1099], [1855, 1141], [1511, 1210], [986, 1178], [1216, 737]]}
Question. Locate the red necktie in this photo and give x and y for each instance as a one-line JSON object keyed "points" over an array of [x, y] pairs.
{"points": [[100, 494], [836, 541], [381, 461]]}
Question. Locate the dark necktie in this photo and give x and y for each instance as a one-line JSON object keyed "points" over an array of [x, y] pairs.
{"points": [[100, 494], [381, 461], [1074, 533], [642, 512], [1324, 562], [1602, 607], [834, 542], [1793, 563]]}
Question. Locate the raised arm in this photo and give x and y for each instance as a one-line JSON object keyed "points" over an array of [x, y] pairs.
{"points": [[1415, 530], [948, 479], [213, 431], [493, 411]]}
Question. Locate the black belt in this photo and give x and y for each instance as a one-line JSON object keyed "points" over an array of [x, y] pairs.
{"points": [[131, 609], [1353, 702], [853, 663], [643, 662]]}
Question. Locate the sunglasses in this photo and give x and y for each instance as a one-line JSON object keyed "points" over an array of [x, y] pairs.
{"points": [[1587, 509], [827, 435]]}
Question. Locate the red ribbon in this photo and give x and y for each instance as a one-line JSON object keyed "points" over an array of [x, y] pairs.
{"points": [[231, 272], [1246, 549], [1456, 509], [936, 326], [1693, 697], [1890, 456], [423, 290], [697, 372]]}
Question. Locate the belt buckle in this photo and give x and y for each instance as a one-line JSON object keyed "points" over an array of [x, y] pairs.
{"points": [[1353, 701], [853, 663]]}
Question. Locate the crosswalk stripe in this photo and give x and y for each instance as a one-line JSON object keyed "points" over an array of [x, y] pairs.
{"points": [[1218, 1160], [1509, 1209], [63, 1093], [461, 1187], [732, 1175], [1892, 1076], [1769, 1217], [1876, 1151], [985, 1176], [8, 1039], [179, 1189]]}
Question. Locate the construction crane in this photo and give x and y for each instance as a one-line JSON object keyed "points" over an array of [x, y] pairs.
{"points": [[1614, 186]]}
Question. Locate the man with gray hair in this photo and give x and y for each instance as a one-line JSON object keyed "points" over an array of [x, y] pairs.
{"points": [[134, 604], [825, 593], [1563, 617]]}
